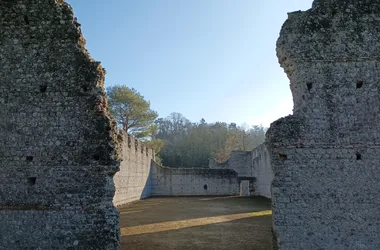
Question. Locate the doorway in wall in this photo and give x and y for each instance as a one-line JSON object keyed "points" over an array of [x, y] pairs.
{"points": [[244, 188]]}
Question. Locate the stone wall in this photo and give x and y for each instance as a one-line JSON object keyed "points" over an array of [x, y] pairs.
{"points": [[240, 161], [58, 147], [326, 156], [262, 170], [133, 181], [251, 166], [193, 181]]}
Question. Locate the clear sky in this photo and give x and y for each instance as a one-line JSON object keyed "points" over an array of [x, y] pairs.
{"points": [[211, 59]]}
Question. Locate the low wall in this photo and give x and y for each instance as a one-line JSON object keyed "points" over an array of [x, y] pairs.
{"points": [[188, 182], [139, 177], [133, 181], [262, 170]]}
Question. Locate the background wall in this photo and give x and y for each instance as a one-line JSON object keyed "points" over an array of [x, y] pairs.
{"points": [[254, 164], [240, 161], [139, 177], [262, 170], [133, 181], [204, 181]]}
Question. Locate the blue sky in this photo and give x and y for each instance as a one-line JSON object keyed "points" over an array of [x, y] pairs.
{"points": [[211, 59]]}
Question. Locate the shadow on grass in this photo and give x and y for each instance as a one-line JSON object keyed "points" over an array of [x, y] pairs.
{"points": [[169, 209], [235, 231]]}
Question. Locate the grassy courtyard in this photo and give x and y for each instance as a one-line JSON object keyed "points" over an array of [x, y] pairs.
{"points": [[197, 223]]}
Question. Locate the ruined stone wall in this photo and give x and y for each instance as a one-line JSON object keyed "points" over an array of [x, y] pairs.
{"points": [[240, 161], [326, 156], [193, 181], [133, 181], [58, 148], [255, 164], [262, 170]]}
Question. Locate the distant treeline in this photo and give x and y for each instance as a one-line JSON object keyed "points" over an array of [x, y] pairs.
{"points": [[177, 141], [191, 145]]}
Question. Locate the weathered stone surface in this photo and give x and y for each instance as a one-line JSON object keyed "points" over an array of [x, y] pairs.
{"points": [[193, 181], [262, 171], [251, 166], [58, 147], [133, 181], [326, 155]]}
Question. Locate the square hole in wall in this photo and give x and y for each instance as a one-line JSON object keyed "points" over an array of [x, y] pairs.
{"points": [[283, 157], [32, 181], [359, 84]]}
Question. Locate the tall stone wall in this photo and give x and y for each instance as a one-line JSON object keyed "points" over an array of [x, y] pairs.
{"points": [[133, 181], [326, 156], [58, 145], [240, 161], [193, 181], [262, 170], [253, 167]]}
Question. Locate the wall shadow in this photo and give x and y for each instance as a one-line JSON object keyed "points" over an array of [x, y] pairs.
{"points": [[147, 190], [247, 233], [164, 209]]}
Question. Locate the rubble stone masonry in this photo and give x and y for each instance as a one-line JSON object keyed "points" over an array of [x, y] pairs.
{"points": [[326, 156], [58, 145]]}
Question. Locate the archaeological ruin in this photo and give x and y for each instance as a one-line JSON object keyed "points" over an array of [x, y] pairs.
{"points": [[65, 166], [325, 156], [245, 174], [59, 146], [61, 151]]}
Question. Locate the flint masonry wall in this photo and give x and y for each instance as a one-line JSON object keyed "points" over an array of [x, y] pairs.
{"points": [[191, 181], [253, 165], [240, 161], [133, 181], [262, 170], [58, 147], [326, 156]]}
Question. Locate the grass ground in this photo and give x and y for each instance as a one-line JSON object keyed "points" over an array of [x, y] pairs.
{"points": [[241, 223]]}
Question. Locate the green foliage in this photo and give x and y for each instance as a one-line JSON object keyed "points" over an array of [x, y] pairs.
{"points": [[131, 110], [176, 141], [156, 145], [191, 145]]}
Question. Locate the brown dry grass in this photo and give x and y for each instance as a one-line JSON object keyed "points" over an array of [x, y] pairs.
{"points": [[197, 223]]}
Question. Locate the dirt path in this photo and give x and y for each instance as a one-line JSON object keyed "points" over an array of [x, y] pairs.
{"points": [[197, 223]]}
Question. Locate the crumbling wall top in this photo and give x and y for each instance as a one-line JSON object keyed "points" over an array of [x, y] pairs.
{"points": [[331, 30], [330, 53]]}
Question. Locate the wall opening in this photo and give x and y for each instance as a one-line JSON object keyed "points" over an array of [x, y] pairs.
{"points": [[358, 156], [309, 86], [85, 88], [43, 88], [32, 181], [96, 157], [26, 20], [205, 187], [359, 84], [29, 158], [283, 157], [244, 188]]}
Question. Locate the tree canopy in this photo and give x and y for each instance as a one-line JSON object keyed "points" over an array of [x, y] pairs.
{"points": [[177, 141], [193, 144], [131, 110]]}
